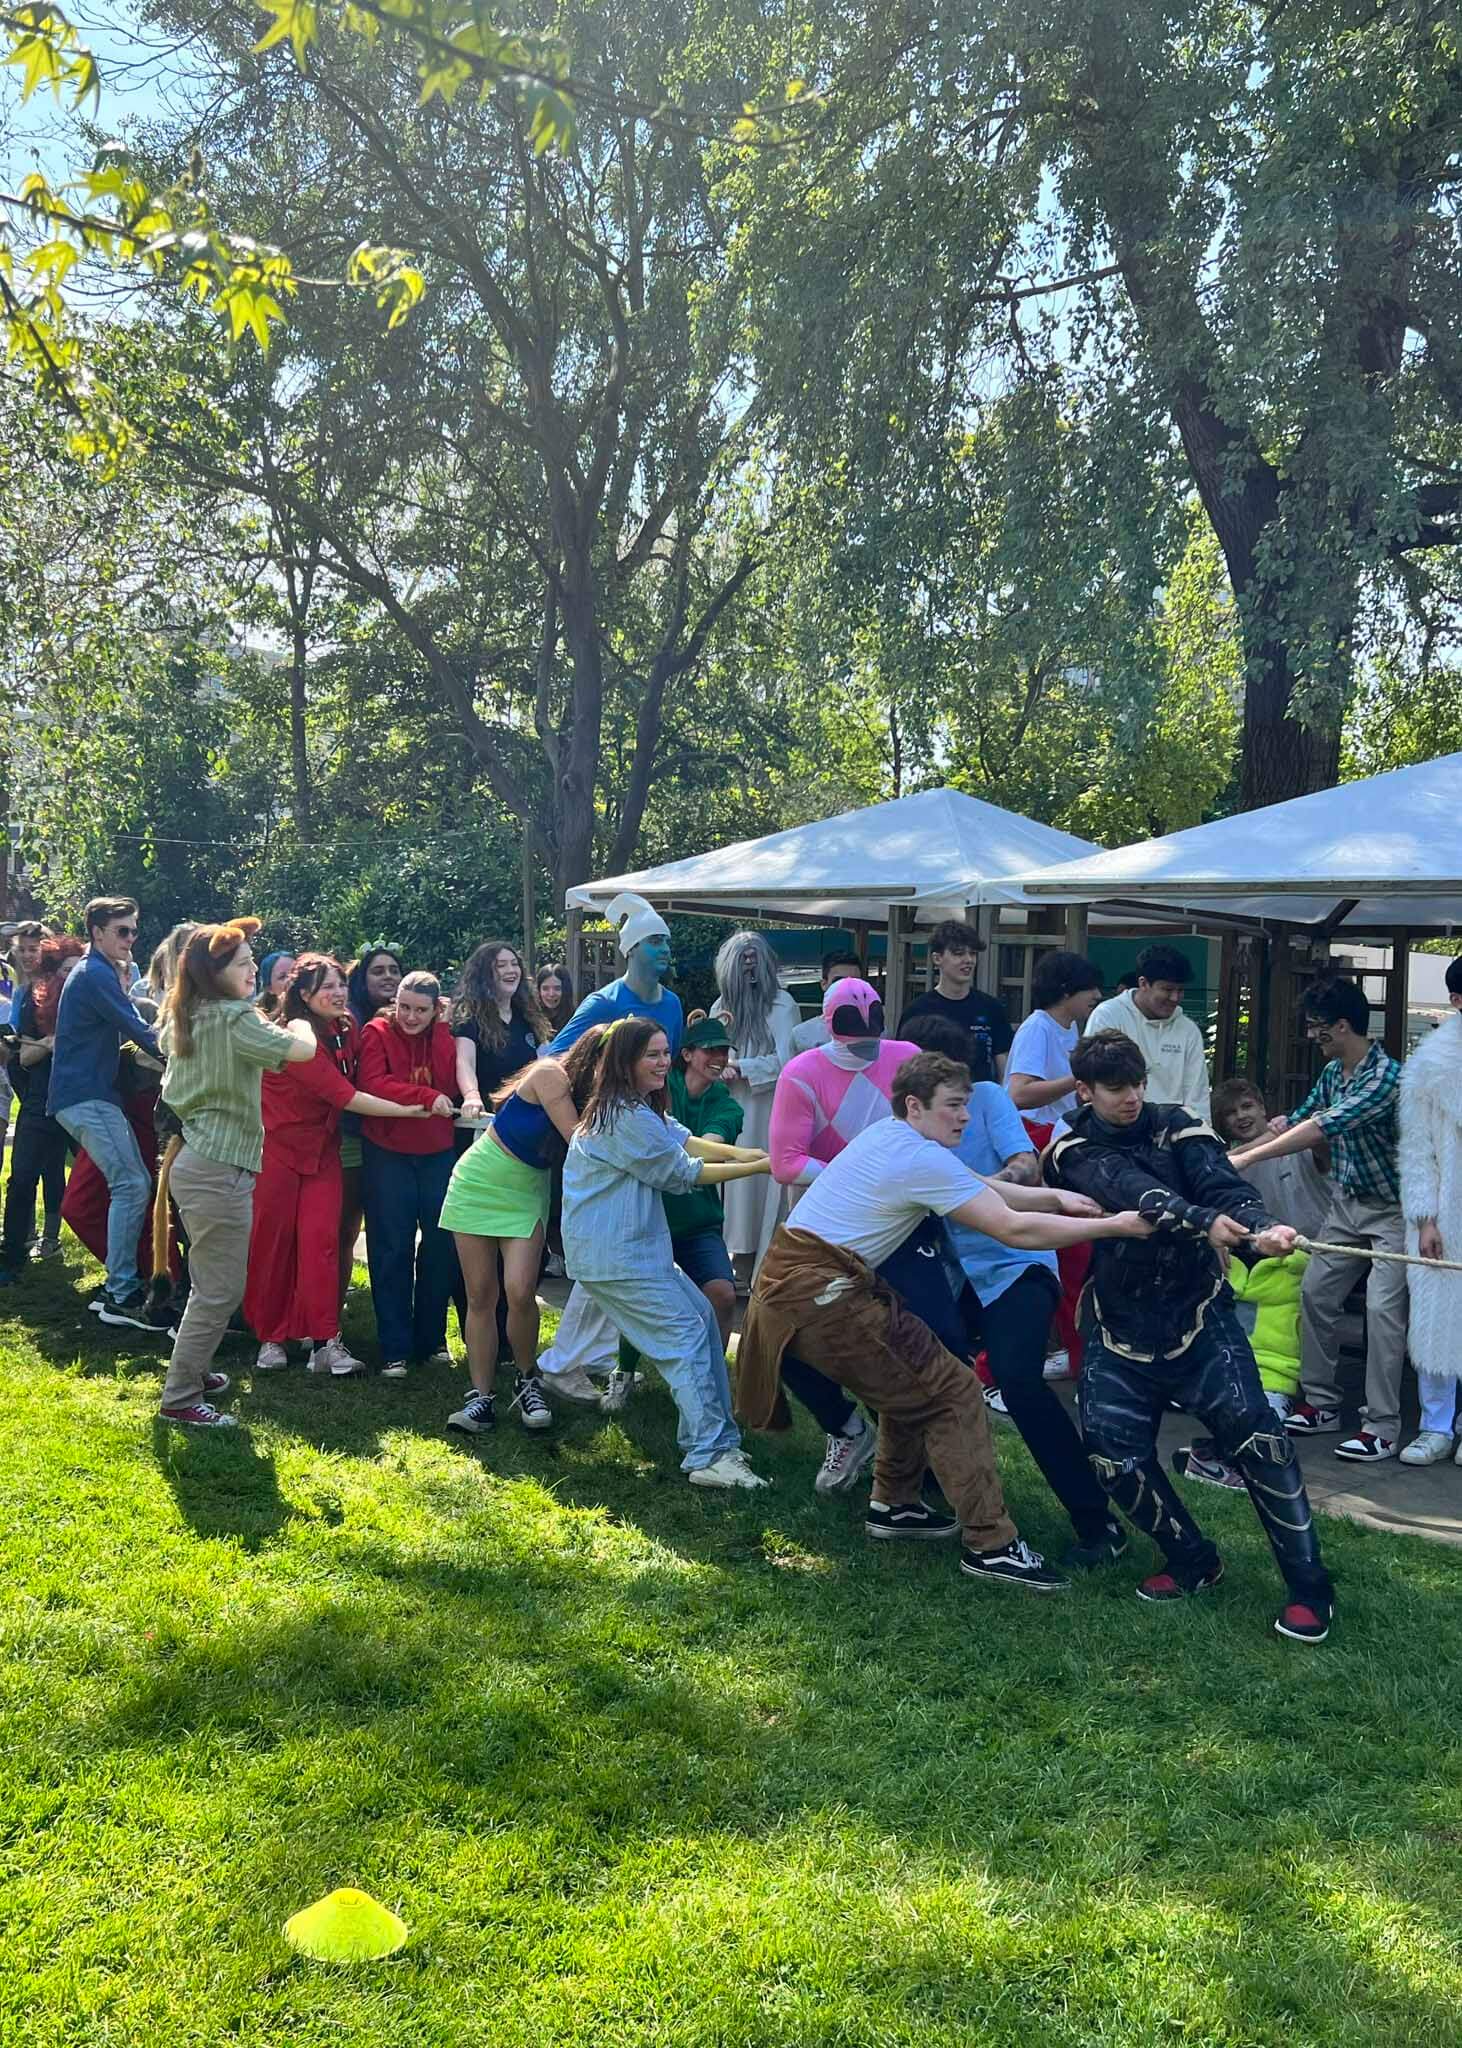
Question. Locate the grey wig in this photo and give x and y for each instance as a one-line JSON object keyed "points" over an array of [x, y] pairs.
{"points": [[748, 1006]]}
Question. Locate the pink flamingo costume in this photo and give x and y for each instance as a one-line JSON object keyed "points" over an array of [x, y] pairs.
{"points": [[826, 1096]]}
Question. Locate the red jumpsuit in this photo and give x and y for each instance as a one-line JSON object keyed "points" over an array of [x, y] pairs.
{"points": [[293, 1287]]}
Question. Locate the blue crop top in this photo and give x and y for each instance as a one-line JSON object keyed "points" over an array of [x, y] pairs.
{"points": [[527, 1131]]}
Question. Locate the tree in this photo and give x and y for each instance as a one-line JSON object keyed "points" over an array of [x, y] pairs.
{"points": [[1238, 222], [545, 480]]}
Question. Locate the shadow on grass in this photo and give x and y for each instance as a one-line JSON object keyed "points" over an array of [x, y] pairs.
{"points": [[223, 1484]]}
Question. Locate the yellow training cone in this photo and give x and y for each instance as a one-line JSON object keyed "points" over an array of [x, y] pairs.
{"points": [[346, 1927]]}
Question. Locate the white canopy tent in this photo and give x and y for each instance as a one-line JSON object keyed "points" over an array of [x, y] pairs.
{"points": [[938, 853], [1377, 855], [902, 864]]}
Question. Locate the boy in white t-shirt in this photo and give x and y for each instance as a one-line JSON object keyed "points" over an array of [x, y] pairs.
{"points": [[817, 1294], [1065, 989]]}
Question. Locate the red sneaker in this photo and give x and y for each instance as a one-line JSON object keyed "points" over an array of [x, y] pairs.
{"points": [[215, 1382], [1163, 1586], [201, 1415], [1303, 1623]]}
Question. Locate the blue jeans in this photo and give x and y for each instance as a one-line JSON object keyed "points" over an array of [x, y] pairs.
{"points": [[672, 1325], [1216, 1379], [104, 1132], [411, 1283]]}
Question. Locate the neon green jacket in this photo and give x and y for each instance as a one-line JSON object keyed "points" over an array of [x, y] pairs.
{"points": [[1267, 1303]]}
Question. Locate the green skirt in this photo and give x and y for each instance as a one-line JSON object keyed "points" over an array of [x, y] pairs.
{"points": [[492, 1194]]}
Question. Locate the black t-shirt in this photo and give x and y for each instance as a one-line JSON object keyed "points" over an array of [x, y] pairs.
{"points": [[980, 1015], [498, 1063]]}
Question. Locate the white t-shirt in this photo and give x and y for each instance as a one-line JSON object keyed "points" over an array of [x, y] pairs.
{"points": [[812, 1031], [881, 1187], [1042, 1048]]}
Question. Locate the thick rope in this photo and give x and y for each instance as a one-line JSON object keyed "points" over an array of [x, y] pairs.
{"points": [[1365, 1251]]}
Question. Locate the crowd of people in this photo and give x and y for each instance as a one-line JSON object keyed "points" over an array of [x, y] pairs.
{"points": [[932, 1224]]}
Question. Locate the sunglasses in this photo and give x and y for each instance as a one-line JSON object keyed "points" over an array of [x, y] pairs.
{"points": [[125, 931]]}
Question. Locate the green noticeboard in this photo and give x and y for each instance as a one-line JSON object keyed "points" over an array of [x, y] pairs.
{"points": [[1116, 957]]}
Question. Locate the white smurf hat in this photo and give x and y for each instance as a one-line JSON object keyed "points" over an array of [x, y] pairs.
{"points": [[636, 919]]}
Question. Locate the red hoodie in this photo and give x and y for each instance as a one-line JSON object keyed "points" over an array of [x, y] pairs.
{"points": [[408, 1070]]}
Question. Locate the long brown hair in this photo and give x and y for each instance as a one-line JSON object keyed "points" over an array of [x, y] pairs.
{"points": [[204, 959], [45, 989], [580, 1064], [475, 1000], [306, 979], [622, 1048]]}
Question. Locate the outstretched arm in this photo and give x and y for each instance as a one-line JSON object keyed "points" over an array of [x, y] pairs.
{"points": [[1031, 1231]]}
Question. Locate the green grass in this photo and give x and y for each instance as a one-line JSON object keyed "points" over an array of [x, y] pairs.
{"points": [[639, 1765]]}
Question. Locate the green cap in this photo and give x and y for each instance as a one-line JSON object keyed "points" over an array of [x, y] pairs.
{"points": [[707, 1032]]}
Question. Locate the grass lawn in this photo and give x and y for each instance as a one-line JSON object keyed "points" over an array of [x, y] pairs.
{"points": [[641, 1765]]}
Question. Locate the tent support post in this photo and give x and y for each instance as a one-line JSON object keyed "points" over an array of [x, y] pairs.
{"points": [[895, 979], [1396, 982], [1078, 920], [575, 949], [987, 967]]}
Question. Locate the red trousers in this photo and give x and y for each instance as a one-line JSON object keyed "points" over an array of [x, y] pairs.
{"points": [[293, 1287], [87, 1199]]}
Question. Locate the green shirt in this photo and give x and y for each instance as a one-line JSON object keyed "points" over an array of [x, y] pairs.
{"points": [[716, 1114], [214, 1089]]}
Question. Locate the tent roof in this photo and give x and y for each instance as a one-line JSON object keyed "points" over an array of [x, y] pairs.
{"points": [[935, 852], [1390, 846]]}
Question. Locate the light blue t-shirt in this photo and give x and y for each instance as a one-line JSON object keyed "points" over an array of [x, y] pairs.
{"points": [[994, 1134], [618, 999]]}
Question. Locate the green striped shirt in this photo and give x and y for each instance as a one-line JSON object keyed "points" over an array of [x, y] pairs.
{"points": [[214, 1089]]}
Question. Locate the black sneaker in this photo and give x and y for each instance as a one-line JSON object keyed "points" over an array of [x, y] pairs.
{"points": [[533, 1410], [1304, 1621], [1090, 1553], [127, 1310], [477, 1414], [915, 1523], [1016, 1565], [1163, 1587]]}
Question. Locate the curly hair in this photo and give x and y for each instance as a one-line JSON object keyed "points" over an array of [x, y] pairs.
{"points": [[475, 1000], [45, 989]]}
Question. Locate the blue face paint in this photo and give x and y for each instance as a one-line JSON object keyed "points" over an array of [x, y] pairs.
{"points": [[655, 951]]}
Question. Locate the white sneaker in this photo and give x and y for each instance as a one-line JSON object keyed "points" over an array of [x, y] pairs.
{"points": [[272, 1358], [1431, 1447], [395, 1369], [729, 1470], [1057, 1366], [442, 1357], [845, 1458], [334, 1357], [554, 1267], [995, 1401], [617, 1390], [573, 1385]]}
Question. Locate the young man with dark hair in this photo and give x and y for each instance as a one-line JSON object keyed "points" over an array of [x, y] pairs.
{"points": [[837, 965], [818, 1294], [955, 947], [94, 1020], [1065, 989], [1164, 1329], [1151, 1015], [1352, 1108]]}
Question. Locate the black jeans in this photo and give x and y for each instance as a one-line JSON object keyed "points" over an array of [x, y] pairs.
{"points": [[1216, 1379], [37, 1159], [1015, 1327], [920, 1275]]}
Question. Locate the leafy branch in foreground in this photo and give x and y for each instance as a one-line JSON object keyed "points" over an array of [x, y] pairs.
{"points": [[170, 236]]}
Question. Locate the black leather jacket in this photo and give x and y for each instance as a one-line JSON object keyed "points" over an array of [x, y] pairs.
{"points": [[1149, 1296]]}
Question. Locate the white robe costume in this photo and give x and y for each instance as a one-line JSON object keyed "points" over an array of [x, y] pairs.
{"points": [[1430, 1157], [754, 1207]]}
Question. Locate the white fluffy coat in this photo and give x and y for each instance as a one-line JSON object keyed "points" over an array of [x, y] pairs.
{"points": [[1430, 1158]]}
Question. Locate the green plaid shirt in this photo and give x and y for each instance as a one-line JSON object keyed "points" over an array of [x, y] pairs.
{"points": [[1357, 1113]]}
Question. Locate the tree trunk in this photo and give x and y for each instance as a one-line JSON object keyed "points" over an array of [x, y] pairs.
{"points": [[1281, 757], [578, 760], [299, 752]]}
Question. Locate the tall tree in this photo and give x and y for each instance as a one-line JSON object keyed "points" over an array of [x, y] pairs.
{"points": [[1239, 220]]}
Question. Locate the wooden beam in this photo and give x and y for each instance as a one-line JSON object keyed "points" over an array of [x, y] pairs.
{"points": [[575, 949], [1396, 979], [895, 979], [1076, 935]]}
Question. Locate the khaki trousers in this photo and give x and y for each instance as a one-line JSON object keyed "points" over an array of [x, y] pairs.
{"points": [[1328, 1281], [217, 1207]]}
